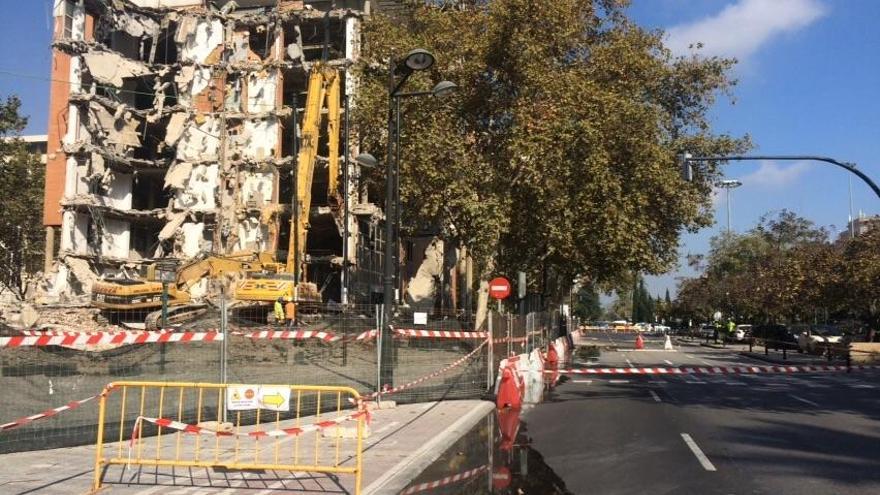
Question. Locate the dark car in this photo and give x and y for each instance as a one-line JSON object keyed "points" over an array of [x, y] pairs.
{"points": [[776, 336]]}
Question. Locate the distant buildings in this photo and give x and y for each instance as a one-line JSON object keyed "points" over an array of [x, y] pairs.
{"points": [[861, 225]]}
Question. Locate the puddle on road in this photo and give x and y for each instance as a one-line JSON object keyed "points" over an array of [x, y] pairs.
{"points": [[494, 457]]}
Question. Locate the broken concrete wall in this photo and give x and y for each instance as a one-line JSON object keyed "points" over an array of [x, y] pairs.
{"points": [[205, 125]]}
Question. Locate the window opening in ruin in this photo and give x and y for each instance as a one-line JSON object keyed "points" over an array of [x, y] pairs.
{"points": [[148, 192], [261, 39], [144, 240], [67, 11]]}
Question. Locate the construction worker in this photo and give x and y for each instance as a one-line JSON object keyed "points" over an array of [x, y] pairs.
{"points": [[279, 311], [290, 312]]}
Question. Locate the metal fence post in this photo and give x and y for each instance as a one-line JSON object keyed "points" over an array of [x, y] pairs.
{"points": [[224, 346], [380, 312], [490, 367]]}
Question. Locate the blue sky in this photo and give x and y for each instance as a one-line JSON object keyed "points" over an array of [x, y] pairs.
{"points": [[809, 83]]}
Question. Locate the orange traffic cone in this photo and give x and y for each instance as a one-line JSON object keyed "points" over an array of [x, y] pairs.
{"points": [[640, 344]]}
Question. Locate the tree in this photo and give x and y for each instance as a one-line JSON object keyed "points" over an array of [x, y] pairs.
{"points": [[560, 143], [21, 201], [588, 306]]}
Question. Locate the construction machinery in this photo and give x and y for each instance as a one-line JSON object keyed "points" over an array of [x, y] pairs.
{"points": [[323, 93], [120, 299]]}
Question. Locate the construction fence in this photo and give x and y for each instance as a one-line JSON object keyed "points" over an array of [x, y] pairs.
{"points": [[51, 378]]}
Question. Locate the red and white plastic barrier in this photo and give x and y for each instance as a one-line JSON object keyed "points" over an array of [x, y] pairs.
{"points": [[714, 370], [448, 480]]}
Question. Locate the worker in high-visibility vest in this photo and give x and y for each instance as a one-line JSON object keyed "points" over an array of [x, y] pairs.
{"points": [[279, 311]]}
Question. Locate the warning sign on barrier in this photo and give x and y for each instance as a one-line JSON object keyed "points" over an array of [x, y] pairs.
{"points": [[249, 397]]}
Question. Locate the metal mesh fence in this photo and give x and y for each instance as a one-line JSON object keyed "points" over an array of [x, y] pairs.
{"points": [[435, 356]]}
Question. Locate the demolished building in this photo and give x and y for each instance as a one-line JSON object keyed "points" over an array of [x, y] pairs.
{"points": [[172, 134]]}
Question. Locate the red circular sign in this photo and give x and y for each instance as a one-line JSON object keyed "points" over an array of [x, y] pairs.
{"points": [[501, 478], [499, 288]]}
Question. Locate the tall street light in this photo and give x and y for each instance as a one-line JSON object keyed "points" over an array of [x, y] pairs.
{"points": [[399, 72], [728, 184], [686, 161]]}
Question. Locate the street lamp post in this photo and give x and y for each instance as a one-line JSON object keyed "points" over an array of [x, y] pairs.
{"points": [[728, 184], [398, 73], [686, 161]]}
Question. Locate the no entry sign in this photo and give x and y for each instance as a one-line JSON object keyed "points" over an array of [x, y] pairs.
{"points": [[499, 288]]}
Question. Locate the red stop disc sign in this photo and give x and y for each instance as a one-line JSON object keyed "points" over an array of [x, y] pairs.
{"points": [[499, 288], [501, 478]]}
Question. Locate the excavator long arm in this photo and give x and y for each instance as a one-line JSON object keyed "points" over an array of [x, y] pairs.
{"points": [[323, 84]]}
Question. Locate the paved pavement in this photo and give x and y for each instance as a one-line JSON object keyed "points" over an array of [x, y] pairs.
{"points": [[403, 442], [727, 434]]}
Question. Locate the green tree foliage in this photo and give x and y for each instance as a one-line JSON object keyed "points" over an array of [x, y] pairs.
{"points": [[643, 304], [588, 305], [786, 270], [21, 201], [557, 153]]}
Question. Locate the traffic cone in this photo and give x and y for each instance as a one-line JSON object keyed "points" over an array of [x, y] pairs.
{"points": [[668, 345], [640, 344]]}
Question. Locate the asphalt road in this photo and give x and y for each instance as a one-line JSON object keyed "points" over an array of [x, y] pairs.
{"points": [[802, 434]]}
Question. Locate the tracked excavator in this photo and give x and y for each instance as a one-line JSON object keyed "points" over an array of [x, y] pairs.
{"points": [[323, 93], [266, 280], [123, 299]]}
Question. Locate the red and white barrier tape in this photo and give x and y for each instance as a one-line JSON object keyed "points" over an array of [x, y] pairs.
{"points": [[442, 334], [431, 485], [290, 335], [710, 370], [427, 377], [51, 412], [282, 432], [114, 338]]}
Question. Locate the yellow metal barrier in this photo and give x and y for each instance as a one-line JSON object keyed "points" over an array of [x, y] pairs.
{"points": [[206, 432]]}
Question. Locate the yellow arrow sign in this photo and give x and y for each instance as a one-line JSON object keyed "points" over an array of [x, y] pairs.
{"points": [[275, 400]]}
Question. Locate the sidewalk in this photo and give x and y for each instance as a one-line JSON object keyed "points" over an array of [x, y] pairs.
{"points": [[403, 442]]}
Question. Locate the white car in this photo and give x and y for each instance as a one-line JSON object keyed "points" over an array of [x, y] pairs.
{"points": [[816, 339], [741, 332]]}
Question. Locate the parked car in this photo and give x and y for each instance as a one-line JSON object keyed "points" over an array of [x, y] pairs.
{"points": [[742, 332], [776, 336], [707, 331], [815, 339]]}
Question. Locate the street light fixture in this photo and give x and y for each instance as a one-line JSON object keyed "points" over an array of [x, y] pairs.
{"points": [[398, 73], [728, 184]]}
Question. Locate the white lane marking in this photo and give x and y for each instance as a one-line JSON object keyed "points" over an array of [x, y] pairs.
{"points": [[704, 461], [655, 396], [582, 381], [618, 381], [689, 356], [860, 386], [805, 401], [668, 362], [629, 363], [707, 363]]}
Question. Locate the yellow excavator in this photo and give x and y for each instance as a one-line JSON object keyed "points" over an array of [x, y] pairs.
{"points": [[266, 280], [122, 298], [323, 89]]}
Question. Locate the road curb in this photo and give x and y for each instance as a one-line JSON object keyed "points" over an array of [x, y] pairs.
{"points": [[789, 362], [397, 478]]}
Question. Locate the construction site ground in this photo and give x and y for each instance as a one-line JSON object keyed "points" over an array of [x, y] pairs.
{"points": [[403, 442]]}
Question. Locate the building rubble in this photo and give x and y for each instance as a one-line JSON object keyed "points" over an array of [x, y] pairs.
{"points": [[174, 139]]}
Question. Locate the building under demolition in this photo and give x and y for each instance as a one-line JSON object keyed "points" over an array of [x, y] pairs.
{"points": [[174, 131]]}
